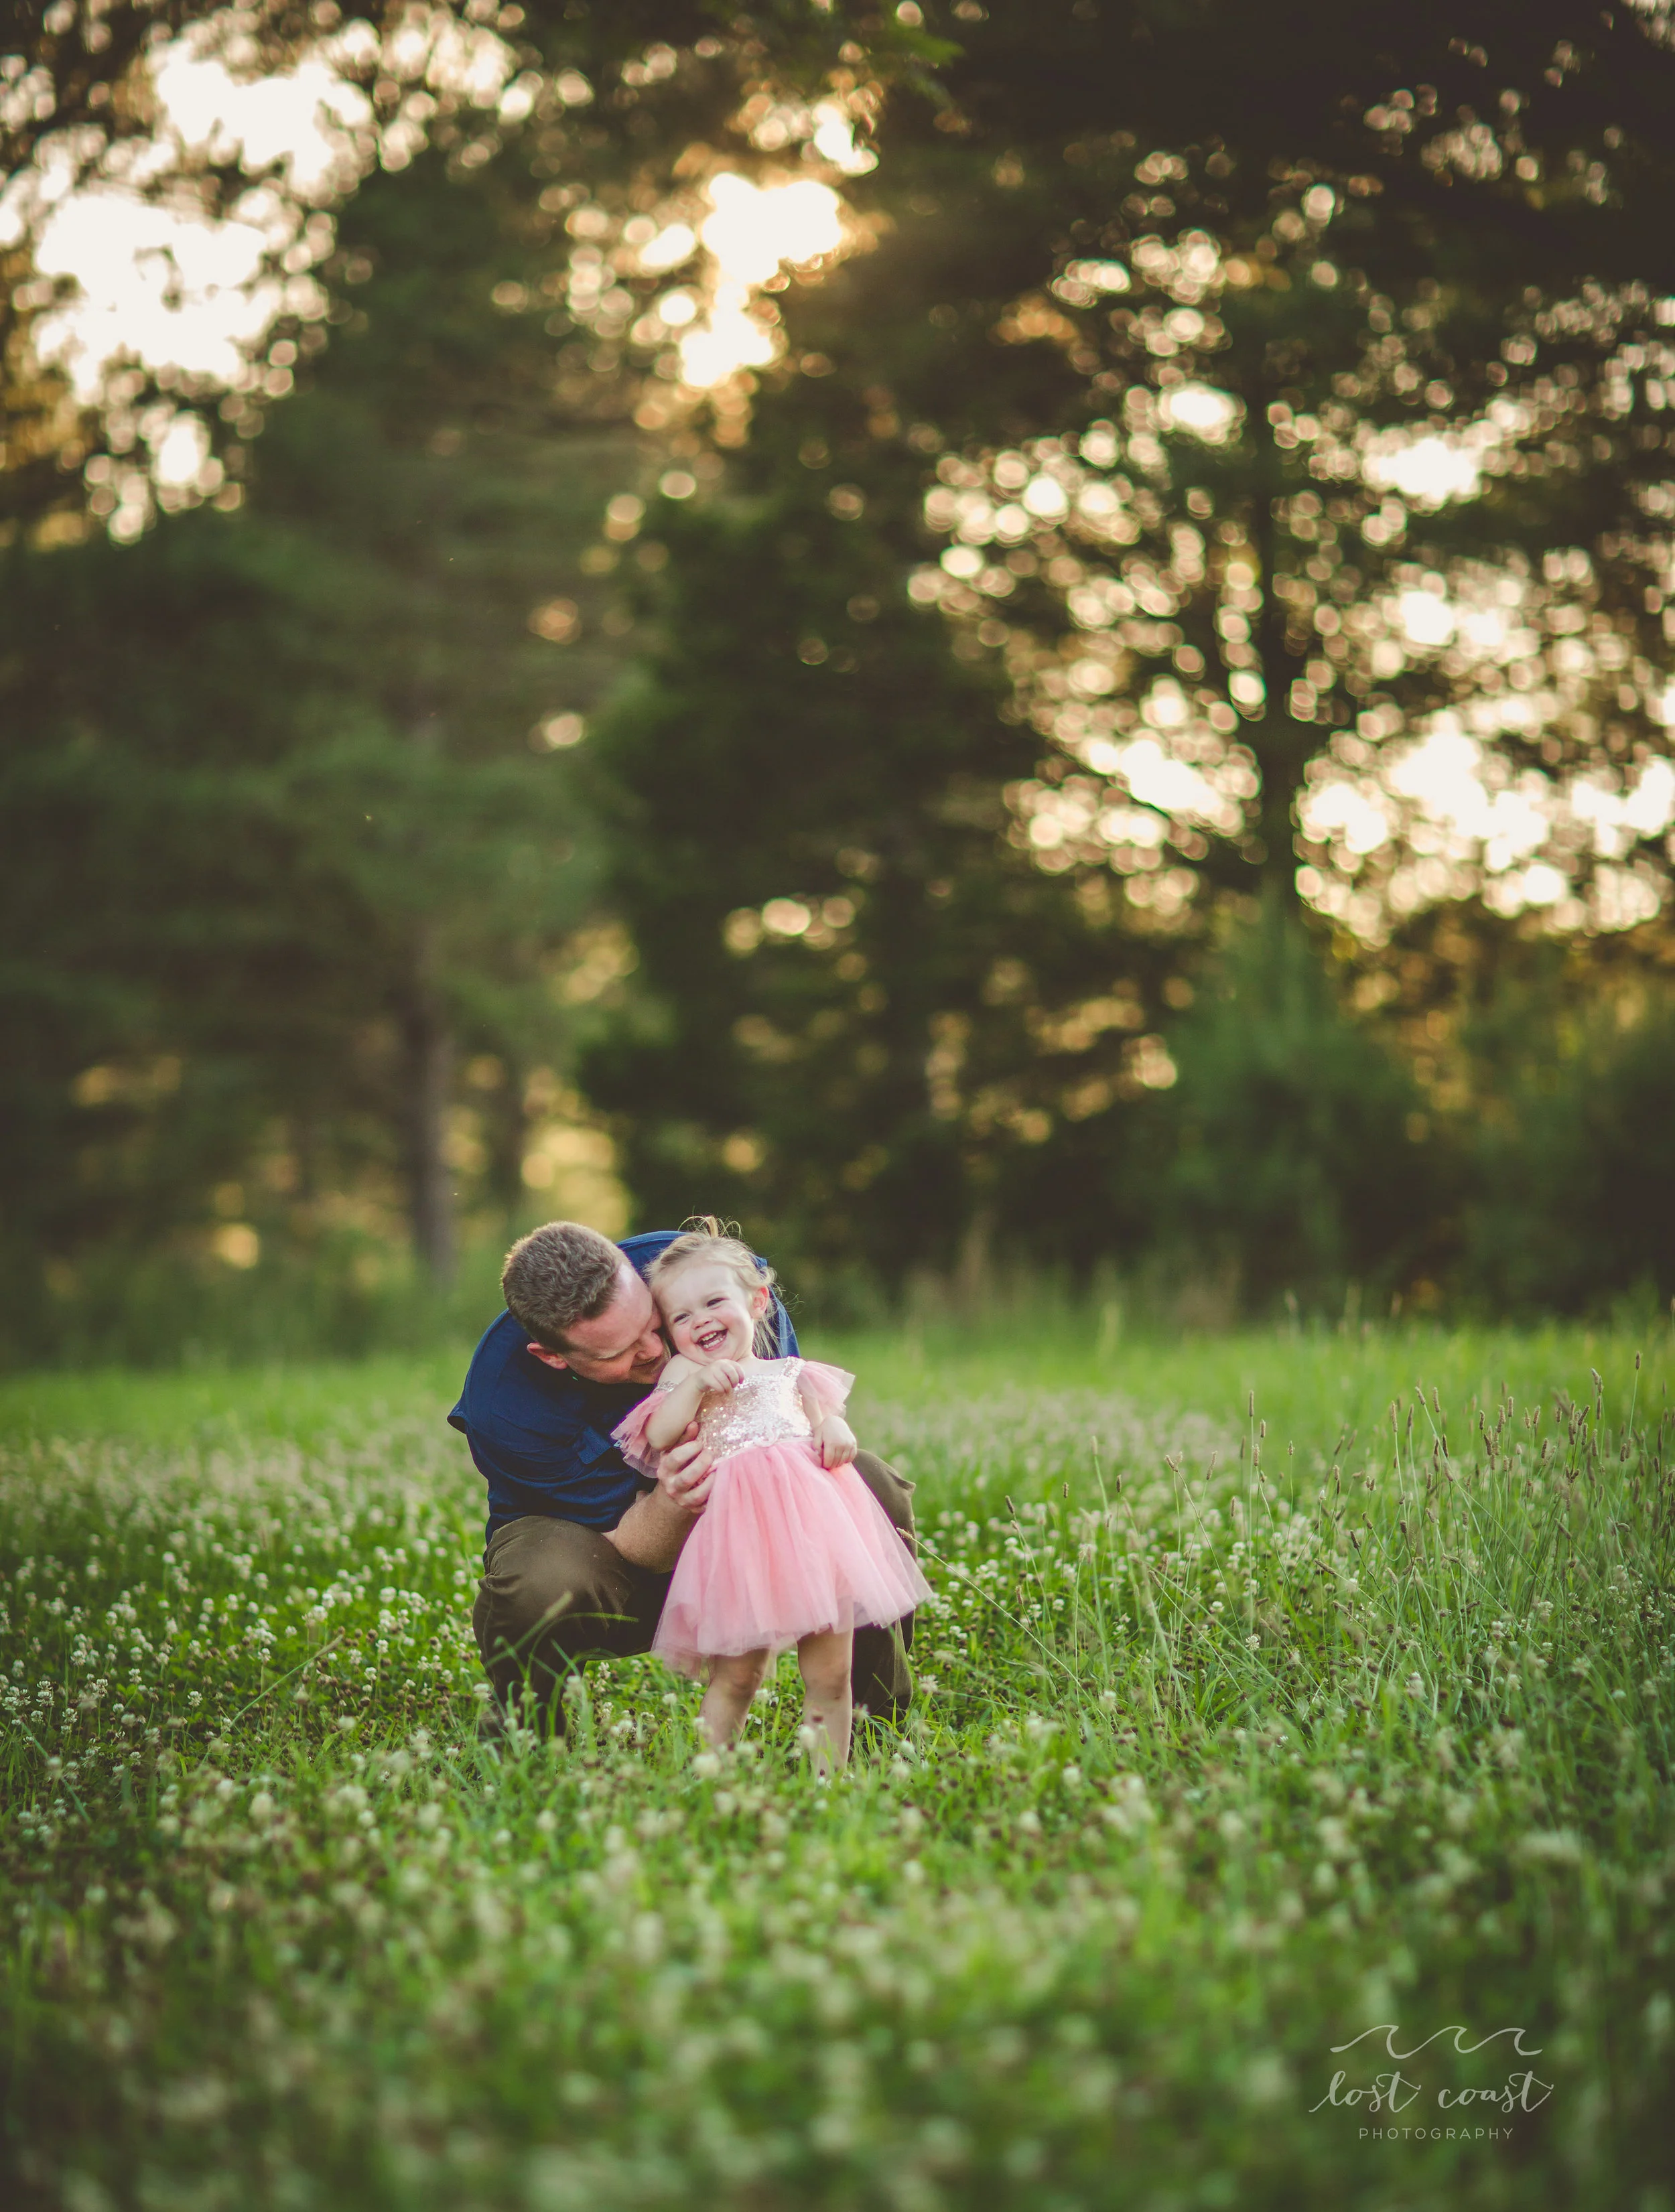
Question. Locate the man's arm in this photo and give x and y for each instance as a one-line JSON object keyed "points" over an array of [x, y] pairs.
{"points": [[655, 1526]]}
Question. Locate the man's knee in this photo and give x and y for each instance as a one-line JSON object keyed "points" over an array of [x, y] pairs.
{"points": [[553, 1591]]}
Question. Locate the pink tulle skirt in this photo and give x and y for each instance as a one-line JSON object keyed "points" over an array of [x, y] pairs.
{"points": [[784, 1548]]}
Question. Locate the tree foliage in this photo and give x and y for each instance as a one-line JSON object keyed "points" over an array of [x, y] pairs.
{"points": [[1195, 439], [290, 853], [620, 102], [78, 109], [839, 1029], [1280, 277], [1154, 307]]}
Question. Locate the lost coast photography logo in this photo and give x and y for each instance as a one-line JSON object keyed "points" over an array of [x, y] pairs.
{"points": [[1404, 2102]]}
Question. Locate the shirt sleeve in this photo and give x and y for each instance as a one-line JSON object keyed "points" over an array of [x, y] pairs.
{"points": [[831, 1386]]}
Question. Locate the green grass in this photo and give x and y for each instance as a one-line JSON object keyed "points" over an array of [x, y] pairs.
{"points": [[1245, 1733], [1310, 1380], [303, 1404]]}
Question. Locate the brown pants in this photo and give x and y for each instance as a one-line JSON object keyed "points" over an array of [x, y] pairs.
{"points": [[553, 1595]]}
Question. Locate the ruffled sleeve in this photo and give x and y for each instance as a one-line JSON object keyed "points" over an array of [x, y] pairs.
{"points": [[831, 1386], [630, 1434]]}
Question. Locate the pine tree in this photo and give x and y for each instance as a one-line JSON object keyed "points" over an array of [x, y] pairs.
{"points": [[292, 854]]}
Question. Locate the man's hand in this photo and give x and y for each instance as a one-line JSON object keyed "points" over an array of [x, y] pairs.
{"points": [[834, 1441], [684, 1472], [654, 1529]]}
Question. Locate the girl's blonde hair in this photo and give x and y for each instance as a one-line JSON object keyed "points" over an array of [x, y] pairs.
{"points": [[705, 1240]]}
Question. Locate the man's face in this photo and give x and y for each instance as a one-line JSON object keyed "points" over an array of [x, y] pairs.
{"points": [[621, 1345]]}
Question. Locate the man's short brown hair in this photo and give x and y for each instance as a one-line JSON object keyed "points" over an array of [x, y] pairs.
{"points": [[557, 1276]]}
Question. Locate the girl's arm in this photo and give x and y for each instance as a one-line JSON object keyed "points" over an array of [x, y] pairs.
{"points": [[833, 1438], [677, 1403]]}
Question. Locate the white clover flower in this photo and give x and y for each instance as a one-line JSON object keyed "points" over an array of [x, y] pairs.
{"points": [[1559, 1846]]}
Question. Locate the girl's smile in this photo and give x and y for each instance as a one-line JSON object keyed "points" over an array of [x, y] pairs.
{"points": [[708, 1314]]}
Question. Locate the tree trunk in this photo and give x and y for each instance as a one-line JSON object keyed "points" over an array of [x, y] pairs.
{"points": [[1280, 744], [429, 1044], [973, 1277]]}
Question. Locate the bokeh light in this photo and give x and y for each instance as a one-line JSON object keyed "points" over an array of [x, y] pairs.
{"points": [[752, 232]]}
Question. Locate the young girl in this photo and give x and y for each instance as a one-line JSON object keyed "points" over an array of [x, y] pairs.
{"points": [[792, 1547]]}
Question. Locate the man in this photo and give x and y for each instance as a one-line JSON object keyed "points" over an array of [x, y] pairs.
{"points": [[581, 1547]]}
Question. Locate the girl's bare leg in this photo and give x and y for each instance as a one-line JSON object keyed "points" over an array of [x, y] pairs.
{"points": [[824, 1661], [734, 1681]]}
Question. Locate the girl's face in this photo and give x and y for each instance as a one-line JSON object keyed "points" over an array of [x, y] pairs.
{"points": [[709, 1313]]}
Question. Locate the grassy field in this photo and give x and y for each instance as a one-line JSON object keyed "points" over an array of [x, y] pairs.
{"points": [[1286, 1818]]}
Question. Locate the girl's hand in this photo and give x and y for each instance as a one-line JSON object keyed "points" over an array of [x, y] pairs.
{"points": [[721, 1375], [834, 1441]]}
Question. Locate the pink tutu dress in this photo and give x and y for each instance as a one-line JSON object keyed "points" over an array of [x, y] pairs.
{"points": [[784, 1547]]}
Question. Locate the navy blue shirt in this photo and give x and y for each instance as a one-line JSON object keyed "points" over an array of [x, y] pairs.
{"points": [[541, 1436]]}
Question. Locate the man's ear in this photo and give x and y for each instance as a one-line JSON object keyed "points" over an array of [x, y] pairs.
{"points": [[548, 1359]]}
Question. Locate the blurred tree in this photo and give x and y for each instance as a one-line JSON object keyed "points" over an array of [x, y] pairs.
{"points": [[1545, 1076], [336, 879], [841, 1030], [1197, 334], [77, 106], [1157, 315], [625, 102], [1302, 1159], [1572, 1204], [1353, 330], [285, 789]]}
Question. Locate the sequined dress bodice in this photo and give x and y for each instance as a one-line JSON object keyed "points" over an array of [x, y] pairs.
{"points": [[764, 1409]]}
